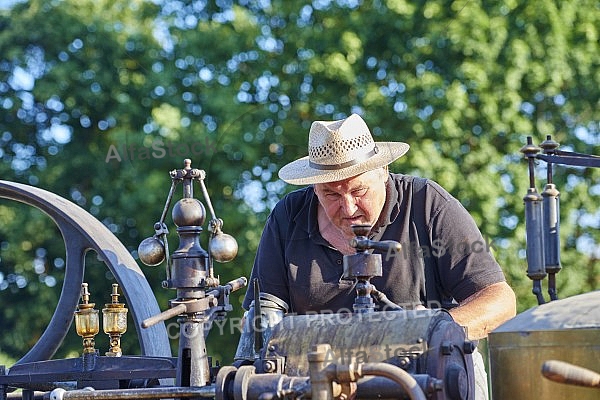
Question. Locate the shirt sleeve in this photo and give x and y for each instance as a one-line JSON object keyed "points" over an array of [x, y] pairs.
{"points": [[465, 260]]}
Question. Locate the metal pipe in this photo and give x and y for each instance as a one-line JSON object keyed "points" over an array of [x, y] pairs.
{"points": [[275, 386], [382, 298], [534, 225], [34, 395], [379, 387], [551, 221], [321, 385], [396, 374], [535, 235], [279, 386], [131, 394], [551, 226]]}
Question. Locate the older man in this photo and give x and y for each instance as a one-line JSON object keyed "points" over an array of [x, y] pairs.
{"points": [[444, 262]]}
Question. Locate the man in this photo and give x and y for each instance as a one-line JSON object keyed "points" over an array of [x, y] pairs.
{"points": [[444, 261]]}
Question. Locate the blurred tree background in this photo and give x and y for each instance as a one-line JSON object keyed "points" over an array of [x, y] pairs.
{"points": [[100, 99]]}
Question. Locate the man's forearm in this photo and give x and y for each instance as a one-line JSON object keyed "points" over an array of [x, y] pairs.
{"points": [[485, 310]]}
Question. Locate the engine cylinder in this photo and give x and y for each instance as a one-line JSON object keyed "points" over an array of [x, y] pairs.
{"points": [[420, 342]]}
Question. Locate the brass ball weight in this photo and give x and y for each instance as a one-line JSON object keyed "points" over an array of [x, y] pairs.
{"points": [[151, 251], [223, 247]]}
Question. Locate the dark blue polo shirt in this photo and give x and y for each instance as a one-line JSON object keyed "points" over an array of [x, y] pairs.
{"points": [[444, 257]]}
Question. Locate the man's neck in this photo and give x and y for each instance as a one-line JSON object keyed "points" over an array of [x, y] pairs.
{"points": [[332, 234]]}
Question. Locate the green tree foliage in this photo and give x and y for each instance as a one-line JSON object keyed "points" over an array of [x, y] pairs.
{"points": [[101, 99]]}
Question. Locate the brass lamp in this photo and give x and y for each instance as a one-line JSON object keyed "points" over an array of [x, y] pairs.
{"points": [[114, 322], [87, 323]]}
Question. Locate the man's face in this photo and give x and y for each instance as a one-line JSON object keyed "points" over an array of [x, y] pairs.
{"points": [[356, 200]]}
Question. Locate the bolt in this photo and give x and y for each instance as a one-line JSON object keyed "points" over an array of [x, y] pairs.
{"points": [[269, 366], [437, 384], [404, 362], [469, 347], [446, 348]]}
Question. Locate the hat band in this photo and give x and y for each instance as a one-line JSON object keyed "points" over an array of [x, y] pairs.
{"points": [[346, 164]]}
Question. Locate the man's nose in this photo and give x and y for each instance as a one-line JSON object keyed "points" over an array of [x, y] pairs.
{"points": [[348, 205]]}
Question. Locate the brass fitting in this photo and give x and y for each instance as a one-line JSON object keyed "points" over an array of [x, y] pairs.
{"points": [[87, 323], [114, 322]]}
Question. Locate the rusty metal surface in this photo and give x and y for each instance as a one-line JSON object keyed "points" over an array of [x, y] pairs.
{"points": [[82, 232], [300, 345], [566, 330], [370, 337], [419, 342]]}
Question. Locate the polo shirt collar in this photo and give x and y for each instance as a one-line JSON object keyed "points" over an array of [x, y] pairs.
{"points": [[306, 218], [390, 211]]}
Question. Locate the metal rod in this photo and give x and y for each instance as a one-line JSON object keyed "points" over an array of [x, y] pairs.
{"points": [[167, 257], [165, 315], [207, 198], [168, 202], [531, 170], [257, 323], [551, 209], [132, 394], [230, 286], [568, 158], [187, 175]]}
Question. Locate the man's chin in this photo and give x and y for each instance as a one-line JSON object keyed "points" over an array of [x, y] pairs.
{"points": [[356, 221]]}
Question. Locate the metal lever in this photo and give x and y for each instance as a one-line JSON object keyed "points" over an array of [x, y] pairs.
{"points": [[195, 305], [165, 315], [563, 372], [387, 246]]}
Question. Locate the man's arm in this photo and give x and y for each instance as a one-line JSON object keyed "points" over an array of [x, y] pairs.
{"points": [[485, 310]]}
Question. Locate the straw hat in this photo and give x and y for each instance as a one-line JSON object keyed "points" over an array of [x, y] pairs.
{"points": [[338, 150]]}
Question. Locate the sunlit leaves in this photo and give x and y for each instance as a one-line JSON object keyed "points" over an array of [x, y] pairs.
{"points": [[400, 6], [464, 82]]}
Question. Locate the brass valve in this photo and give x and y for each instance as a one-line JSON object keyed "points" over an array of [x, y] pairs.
{"points": [[114, 322], [87, 323]]}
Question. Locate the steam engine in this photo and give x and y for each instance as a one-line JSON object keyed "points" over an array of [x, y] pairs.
{"points": [[403, 354]]}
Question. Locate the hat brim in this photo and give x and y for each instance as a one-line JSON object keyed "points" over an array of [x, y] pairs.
{"points": [[300, 172]]}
